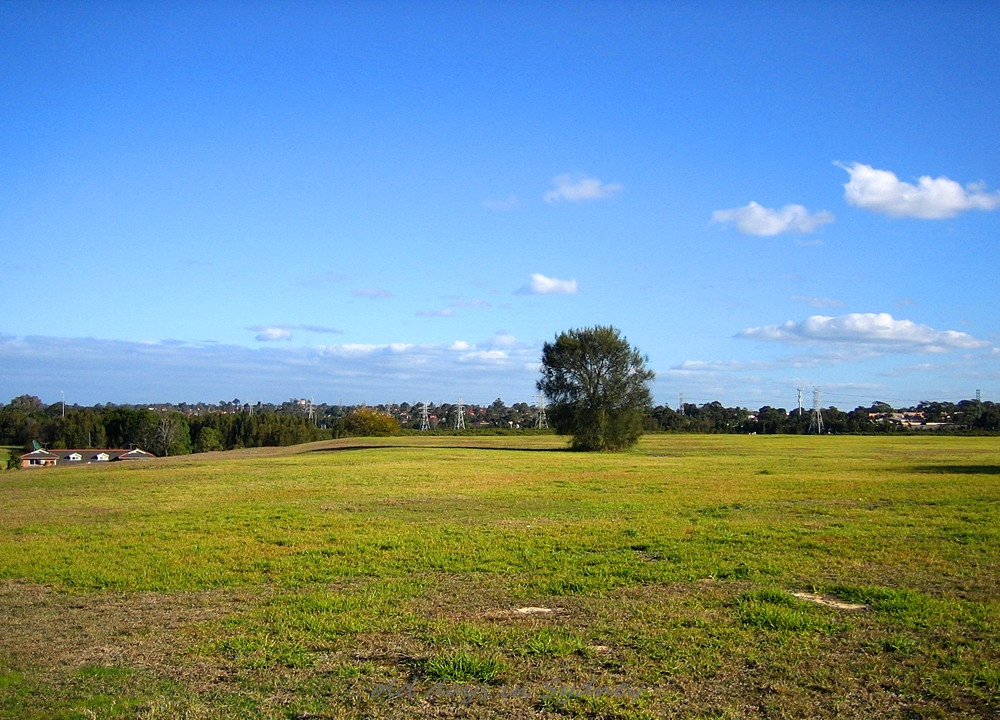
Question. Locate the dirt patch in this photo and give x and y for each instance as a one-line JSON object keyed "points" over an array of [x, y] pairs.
{"points": [[533, 611], [829, 601]]}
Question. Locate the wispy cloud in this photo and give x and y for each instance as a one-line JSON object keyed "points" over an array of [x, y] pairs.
{"points": [[372, 293], [511, 203], [276, 333], [818, 302], [542, 285], [754, 219], [930, 199], [877, 332], [446, 312], [574, 188], [93, 370]]}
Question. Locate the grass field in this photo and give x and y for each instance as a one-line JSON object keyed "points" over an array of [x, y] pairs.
{"points": [[503, 577]]}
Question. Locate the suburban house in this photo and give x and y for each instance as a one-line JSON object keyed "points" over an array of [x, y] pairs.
{"points": [[51, 458]]}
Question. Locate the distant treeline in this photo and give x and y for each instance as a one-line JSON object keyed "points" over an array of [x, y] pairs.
{"points": [[966, 416], [166, 429]]}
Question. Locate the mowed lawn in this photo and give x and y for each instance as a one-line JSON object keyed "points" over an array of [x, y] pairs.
{"points": [[694, 577]]}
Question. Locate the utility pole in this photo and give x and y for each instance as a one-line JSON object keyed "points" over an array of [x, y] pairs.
{"points": [[541, 421], [817, 415]]}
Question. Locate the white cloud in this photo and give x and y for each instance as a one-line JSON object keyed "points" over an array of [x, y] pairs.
{"points": [[754, 219], [504, 339], [491, 356], [878, 332], [702, 366], [273, 334], [572, 188], [930, 199], [818, 302], [436, 313], [92, 370], [541, 285]]}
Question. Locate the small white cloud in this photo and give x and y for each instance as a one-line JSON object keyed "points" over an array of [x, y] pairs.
{"points": [[701, 366], [372, 293], [874, 331], [541, 285], [930, 199], [511, 203], [754, 219], [490, 356], [436, 313], [460, 346], [504, 339], [273, 334], [818, 302], [572, 188]]}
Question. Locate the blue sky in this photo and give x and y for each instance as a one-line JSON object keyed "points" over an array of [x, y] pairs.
{"points": [[401, 201]]}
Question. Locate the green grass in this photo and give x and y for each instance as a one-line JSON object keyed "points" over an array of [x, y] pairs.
{"points": [[297, 583]]}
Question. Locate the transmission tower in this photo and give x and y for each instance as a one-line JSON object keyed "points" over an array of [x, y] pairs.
{"points": [[541, 421], [816, 423], [460, 416], [800, 403], [425, 421], [680, 404], [310, 411]]}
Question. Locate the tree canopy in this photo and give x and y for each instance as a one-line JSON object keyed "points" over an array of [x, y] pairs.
{"points": [[598, 385]]}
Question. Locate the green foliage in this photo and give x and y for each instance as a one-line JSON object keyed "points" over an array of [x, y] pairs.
{"points": [[772, 609], [599, 388], [207, 440], [554, 642], [368, 422], [464, 665]]}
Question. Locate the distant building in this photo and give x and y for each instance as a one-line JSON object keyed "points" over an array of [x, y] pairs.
{"points": [[51, 458]]}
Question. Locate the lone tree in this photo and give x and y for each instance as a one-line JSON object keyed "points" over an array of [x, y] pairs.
{"points": [[598, 386]]}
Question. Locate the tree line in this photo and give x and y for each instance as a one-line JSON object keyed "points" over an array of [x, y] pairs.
{"points": [[166, 429], [967, 416]]}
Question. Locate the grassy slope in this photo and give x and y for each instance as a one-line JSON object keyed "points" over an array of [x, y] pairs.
{"points": [[297, 584]]}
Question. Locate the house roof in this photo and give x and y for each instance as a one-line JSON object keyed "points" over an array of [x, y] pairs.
{"points": [[87, 455], [40, 454]]}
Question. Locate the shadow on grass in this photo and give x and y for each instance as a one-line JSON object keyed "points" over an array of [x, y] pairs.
{"points": [[957, 469], [383, 446]]}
